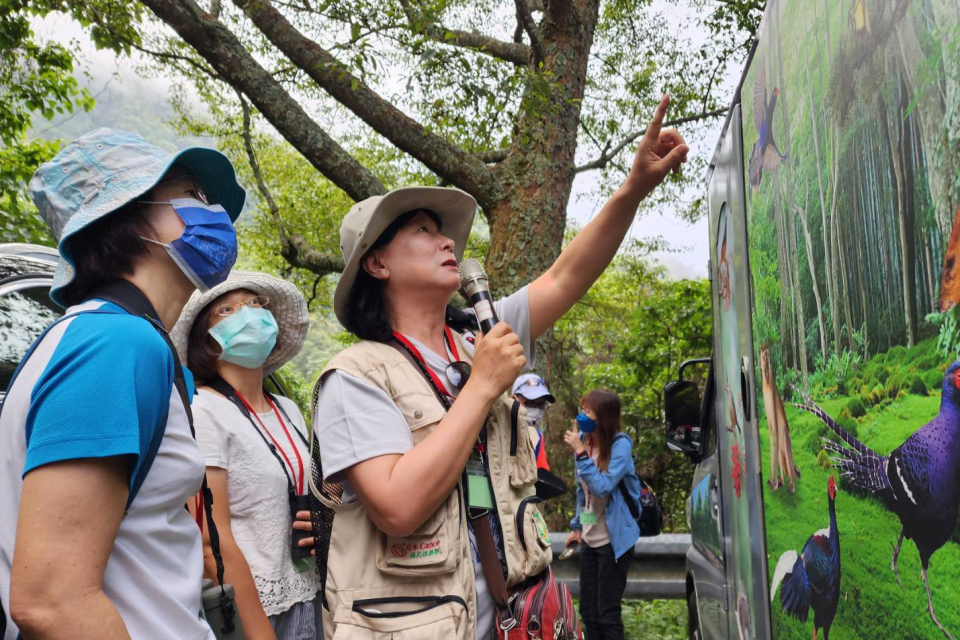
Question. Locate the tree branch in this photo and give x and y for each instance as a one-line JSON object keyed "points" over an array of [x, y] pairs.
{"points": [[224, 52], [446, 160], [525, 17], [608, 154], [494, 156], [293, 247], [513, 52]]}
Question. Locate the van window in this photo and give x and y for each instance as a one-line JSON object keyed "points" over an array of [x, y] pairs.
{"points": [[24, 314]]}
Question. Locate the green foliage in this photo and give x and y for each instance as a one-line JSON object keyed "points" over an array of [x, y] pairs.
{"points": [[832, 377], [856, 408], [654, 619], [629, 333], [917, 387], [948, 341], [36, 79]]}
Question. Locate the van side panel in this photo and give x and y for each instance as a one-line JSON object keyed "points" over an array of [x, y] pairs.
{"points": [[851, 156], [746, 613]]}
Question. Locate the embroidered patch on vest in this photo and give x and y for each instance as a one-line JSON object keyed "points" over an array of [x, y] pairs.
{"points": [[423, 551], [543, 536]]}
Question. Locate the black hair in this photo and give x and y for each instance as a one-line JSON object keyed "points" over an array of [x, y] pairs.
{"points": [[367, 316], [104, 251]]}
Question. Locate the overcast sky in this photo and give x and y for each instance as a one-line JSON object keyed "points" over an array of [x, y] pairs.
{"points": [[116, 78]]}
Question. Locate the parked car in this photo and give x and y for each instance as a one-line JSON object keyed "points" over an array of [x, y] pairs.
{"points": [[26, 274]]}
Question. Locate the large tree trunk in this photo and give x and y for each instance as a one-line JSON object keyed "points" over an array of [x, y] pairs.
{"points": [[894, 129], [947, 18], [802, 212], [832, 264], [929, 112], [818, 160], [527, 225]]}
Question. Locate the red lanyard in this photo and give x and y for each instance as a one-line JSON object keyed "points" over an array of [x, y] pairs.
{"points": [[451, 344], [298, 482]]}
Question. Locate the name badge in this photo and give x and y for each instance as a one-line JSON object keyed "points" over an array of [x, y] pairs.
{"points": [[478, 485], [588, 518]]}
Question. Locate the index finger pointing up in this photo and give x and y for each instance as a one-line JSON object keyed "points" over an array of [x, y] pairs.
{"points": [[653, 131]]}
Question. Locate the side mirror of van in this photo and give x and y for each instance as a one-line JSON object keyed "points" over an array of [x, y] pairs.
{"points": [[683, 411], [681, 402]]}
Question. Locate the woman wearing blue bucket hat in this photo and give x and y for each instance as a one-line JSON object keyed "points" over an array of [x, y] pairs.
{"points": [[96, 454]]}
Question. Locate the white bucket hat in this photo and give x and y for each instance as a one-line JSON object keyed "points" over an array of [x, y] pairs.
{"points": [[287, 304], [367, 219]]}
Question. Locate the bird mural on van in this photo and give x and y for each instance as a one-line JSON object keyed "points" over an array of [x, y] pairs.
{"points": [[765, 155], [811, 580], [919, 481]]}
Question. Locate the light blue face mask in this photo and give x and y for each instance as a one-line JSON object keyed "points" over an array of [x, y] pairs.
{"points": [[247, 337]]}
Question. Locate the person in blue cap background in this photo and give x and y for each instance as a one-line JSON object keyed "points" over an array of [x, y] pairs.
{"points": [[96, 454], [531, 391]]}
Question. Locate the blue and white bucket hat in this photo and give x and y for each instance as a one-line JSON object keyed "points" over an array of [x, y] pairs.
{"points": [[101, 171]]}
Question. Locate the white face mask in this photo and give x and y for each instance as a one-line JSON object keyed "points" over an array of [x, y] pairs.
{"points": [[534, 416]]}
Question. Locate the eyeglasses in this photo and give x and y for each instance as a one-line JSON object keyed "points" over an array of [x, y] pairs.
{"points": [[458, 373], [257, 302]]}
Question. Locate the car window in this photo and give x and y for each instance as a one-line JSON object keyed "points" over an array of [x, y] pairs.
{"points": [[24, 314]]}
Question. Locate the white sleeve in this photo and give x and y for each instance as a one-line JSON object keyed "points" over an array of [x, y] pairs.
{"points": [[212, 434], [356, 421], [515, 311]]}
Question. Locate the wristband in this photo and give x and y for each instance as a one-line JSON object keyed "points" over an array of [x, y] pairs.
{"points": [[583, 455]]}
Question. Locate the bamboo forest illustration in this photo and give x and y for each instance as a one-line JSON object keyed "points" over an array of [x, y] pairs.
{"points": [[851, 120]]}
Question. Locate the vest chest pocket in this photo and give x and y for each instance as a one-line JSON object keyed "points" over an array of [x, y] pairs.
{"points": [[434, 548], [533, 536], [419, 410], [523, 463]]}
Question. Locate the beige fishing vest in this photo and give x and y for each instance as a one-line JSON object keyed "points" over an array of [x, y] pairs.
{"points": [[422, 586]]}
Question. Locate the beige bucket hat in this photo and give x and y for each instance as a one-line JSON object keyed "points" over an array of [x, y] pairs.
{"points": [[367, 219], [287, 304]]}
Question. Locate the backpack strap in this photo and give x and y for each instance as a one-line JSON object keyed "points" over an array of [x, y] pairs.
{"points": [[631, 503], [129, 298]]}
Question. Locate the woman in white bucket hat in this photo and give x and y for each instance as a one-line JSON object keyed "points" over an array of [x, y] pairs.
{"points": [[255, 447], [437, 502], [96, 455]]}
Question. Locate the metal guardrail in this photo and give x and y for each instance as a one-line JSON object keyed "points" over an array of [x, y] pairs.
{"points": [[658, 569]]}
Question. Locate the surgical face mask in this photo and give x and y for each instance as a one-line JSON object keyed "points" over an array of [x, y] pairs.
{"points": [[534, 416], [247, 337], [585, 423], [207, 248]]}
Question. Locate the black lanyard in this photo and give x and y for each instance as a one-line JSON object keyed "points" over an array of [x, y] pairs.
{"points": [[223, 387]]}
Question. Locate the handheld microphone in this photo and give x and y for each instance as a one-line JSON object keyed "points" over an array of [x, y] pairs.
{"points": [[475, 282]]}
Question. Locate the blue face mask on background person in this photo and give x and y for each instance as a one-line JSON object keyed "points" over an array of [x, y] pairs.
{"points": [[207, 248], [247, 337], [585, 423]]}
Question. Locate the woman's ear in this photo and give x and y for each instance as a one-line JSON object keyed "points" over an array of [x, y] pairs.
{"points": [[373, 265]]}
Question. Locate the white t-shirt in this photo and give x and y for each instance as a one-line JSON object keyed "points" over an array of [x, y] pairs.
{"points": [[258, 488], [98, 385]]}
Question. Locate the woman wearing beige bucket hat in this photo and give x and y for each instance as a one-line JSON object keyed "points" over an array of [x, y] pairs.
{"points": [[255, 448], [431, 489]]}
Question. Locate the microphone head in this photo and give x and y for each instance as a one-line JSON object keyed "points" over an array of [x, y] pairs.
{"points": [[473, 275]]}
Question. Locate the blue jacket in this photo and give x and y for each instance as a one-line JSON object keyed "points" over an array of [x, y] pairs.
{"points": [[624, 530]]}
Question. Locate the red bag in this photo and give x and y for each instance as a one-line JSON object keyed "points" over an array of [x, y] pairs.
{"points": [[542, 610]]}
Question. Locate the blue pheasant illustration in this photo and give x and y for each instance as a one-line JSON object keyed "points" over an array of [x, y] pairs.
{"points": [[813, 577], [919, 481], [765, 156]]}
